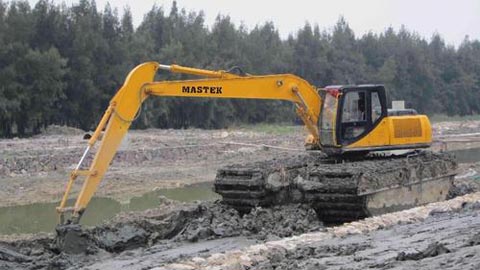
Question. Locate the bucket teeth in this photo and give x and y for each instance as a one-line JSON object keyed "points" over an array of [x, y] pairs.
{"points": [[339, 192]]}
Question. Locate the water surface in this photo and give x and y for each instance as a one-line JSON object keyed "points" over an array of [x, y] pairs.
{"points": [[41, 217]]}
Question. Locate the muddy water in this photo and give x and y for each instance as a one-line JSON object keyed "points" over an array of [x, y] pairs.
{"points": [[196, 192], [41, 217], [467, 155]]}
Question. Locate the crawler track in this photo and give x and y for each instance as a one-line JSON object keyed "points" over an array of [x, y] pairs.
{"points": [[339, 192]]}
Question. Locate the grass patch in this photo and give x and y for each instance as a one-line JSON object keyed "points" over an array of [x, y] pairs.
{"points": [[445, 118]]}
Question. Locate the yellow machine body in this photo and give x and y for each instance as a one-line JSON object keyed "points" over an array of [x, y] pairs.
{"points": [[355, 119], [409, 131], [392, 132]]}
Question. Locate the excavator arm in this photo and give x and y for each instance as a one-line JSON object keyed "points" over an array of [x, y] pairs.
{"points": [[140, 84]]}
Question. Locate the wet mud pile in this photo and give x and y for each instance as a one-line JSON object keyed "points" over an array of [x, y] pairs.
{"points": [[170, 225], [462, 188], [204, 221], [217, 220], [443, 235]]}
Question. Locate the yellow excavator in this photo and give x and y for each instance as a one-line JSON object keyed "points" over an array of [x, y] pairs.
{"points": [[350, 124]]}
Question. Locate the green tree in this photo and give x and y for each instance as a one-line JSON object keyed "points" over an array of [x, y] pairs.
{"points": [[62, 64], [40, 76]]}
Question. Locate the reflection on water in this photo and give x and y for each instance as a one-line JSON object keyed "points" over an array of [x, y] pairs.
{"points": [[41, 217], [197, 192]]}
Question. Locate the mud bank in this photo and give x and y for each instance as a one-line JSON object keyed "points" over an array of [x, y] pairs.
{"points": [[437, 236], [211, 236], [203, 235], [172, 225], [445, 241]]}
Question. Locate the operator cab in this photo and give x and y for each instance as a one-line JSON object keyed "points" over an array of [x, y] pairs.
{"points": [[350, 113]]}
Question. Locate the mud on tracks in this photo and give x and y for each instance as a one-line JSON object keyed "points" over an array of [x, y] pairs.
{"points": [[339, 191]]}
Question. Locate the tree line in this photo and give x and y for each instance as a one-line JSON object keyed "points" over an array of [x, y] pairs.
{"points": [[61, 65]]}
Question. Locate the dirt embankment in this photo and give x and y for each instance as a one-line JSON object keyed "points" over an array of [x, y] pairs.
{"points": [[455, 127], [456, 135]]}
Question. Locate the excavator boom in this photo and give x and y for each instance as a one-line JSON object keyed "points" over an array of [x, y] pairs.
{"points": [[140, 84]]}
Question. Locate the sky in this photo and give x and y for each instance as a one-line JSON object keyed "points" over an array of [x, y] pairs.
{"points": [[452, 19]]}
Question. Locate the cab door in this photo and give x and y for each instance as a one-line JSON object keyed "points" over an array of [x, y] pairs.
{"points": [[328, 118], [360, 111]]}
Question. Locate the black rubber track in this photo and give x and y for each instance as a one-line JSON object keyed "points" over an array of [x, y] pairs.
{"points": [[334, 189]]}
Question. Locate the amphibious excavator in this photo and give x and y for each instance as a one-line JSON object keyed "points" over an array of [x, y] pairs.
{"points": [[345, 175]]}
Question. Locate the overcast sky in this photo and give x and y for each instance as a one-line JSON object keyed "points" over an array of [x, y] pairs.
{"points": [[453, 19]]}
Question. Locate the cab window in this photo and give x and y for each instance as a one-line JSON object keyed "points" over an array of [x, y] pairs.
{"points": [[354, 107], [354, 117], [376, 107]]}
